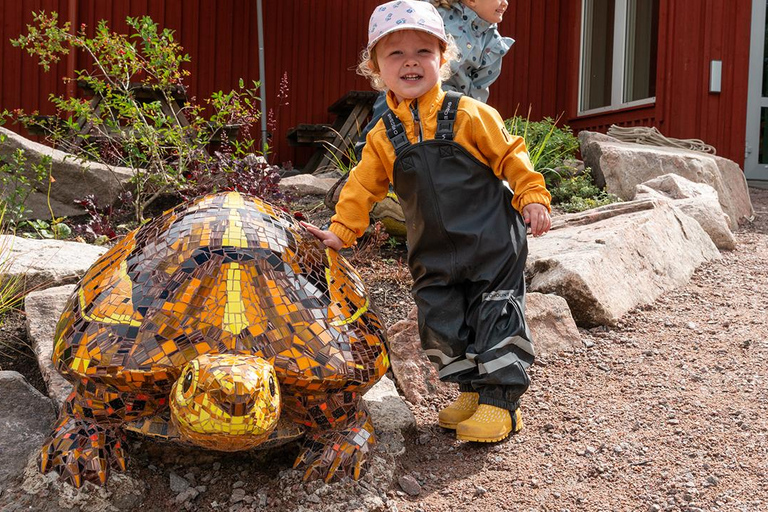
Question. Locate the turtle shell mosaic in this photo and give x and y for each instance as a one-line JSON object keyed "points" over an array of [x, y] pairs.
{"points": [[224, 324]]}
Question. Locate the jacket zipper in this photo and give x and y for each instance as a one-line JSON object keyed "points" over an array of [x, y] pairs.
{"points": [[416, 120]]}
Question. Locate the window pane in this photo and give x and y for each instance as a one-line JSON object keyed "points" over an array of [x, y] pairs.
{"points": [[763, 154], [597, 53], [641, 46], [765, 58]]}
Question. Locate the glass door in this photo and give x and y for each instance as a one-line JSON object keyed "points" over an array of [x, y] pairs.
{"points": [[756, 156]]}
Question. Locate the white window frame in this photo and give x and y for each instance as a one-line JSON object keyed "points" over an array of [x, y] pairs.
{"points": [[619, 55]]}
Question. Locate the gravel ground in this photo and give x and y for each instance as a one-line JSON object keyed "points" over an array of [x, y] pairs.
{"points": [[667, 411], [664, 412]]}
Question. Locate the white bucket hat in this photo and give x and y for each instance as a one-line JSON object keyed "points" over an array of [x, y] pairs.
{"points": [[405, 15]]}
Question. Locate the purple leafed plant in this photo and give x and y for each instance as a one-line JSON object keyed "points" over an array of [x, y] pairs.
{"points": [[103, 220]]}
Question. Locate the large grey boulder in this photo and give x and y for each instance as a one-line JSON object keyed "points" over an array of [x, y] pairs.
{"points": [[604, 262], [697, 200], [43, 309], [74, 177], [26, 418], [621, 166], [47, 263]]}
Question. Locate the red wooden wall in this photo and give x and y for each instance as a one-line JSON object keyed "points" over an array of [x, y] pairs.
{"points": [[316, 43], [691, 34]]}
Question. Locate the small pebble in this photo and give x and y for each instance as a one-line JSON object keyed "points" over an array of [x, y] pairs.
{"points": [[237, 496], [409, 484]]}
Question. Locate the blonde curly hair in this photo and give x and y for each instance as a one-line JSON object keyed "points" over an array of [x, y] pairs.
{"points": [[370, 69], [445, 4]]}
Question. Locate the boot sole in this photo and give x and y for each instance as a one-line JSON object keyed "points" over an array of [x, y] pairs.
{"points": [[515, 429], [482, 439], [450, 426]]}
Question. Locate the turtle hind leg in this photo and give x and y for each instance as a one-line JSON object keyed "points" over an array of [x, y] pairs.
{"points": [[340, 441], [80, 450]]}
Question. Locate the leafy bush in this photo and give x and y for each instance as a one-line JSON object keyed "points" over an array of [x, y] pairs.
{"points": [[548, 145], [550, 148], [249, 174], [55, 228], [102, 224], [137, 123]]}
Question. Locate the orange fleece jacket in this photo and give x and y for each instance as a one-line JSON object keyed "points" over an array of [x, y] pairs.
{"points": [[478, 128]]}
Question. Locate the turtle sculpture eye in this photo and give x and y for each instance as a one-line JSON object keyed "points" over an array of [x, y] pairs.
{"points": [[272, 388], [187, 384]]}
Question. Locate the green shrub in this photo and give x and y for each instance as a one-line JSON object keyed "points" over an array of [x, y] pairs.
{"points": [[550, 148], [143, 133], [548, 145]]}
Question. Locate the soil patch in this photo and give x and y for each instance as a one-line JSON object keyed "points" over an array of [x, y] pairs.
{"points": [[16, 352]]}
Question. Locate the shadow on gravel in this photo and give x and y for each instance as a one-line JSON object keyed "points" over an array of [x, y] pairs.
{"points": [[759, 197]]}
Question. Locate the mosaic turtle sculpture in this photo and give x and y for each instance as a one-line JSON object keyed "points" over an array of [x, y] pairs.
{"points": [[222, 323]]}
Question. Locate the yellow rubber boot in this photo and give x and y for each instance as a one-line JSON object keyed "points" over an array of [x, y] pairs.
{"points": [[461, 409], [489, 424]]}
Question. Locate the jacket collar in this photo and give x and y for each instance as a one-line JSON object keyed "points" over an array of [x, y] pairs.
{"points": [[428, 104], [477, 24]]}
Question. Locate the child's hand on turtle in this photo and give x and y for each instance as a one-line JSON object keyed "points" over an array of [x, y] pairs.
{"points": [[329, 239], [537, 217]]}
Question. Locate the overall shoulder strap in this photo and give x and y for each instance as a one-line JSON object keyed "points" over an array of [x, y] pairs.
{"points": [[395, 131], [447, 115]]}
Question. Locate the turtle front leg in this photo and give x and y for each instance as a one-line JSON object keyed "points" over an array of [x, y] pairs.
{"points": [[80, 450], [339, 441]]}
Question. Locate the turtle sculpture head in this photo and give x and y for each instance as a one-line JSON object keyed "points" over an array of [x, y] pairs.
{"points": [[226, 402]]}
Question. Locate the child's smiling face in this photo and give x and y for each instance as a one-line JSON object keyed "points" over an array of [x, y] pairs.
{"points": [[409, 62], [491, 11]]}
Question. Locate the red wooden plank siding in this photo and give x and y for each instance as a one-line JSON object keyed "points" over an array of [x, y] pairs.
{"points": [[691, 34], [705, 31], [23, 84], [317, 43]]}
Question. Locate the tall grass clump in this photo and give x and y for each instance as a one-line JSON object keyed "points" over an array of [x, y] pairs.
{"points": [[553, 150]]}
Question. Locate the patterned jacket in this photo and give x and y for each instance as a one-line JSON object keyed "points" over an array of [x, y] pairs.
{"points": [[481, 49]]}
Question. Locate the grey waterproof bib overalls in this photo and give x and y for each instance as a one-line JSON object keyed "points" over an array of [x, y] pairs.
{"points": [[466, 252]]}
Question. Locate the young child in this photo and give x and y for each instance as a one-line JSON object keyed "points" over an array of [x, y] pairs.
{"points": [[446, 156], [473, 26]]}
